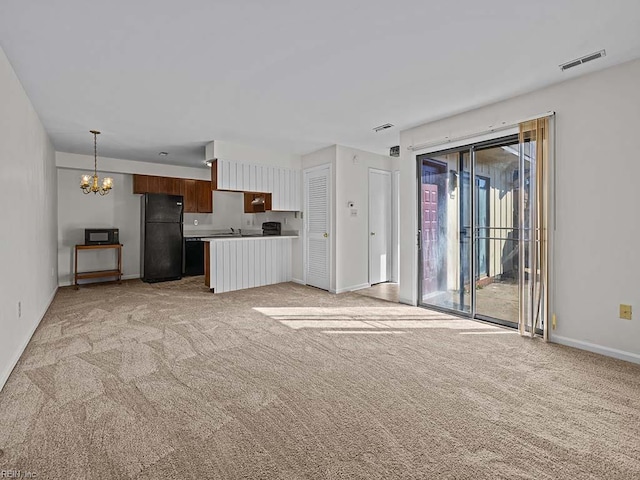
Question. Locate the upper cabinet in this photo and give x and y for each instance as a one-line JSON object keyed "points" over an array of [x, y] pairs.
{"points": [[282, 183], [204, 196], [190, 196], [197, 194]]}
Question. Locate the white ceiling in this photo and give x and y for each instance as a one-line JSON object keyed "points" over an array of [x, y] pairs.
{"points": [[292, 75]]}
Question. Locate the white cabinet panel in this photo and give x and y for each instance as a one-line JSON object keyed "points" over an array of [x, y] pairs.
{"points": [[298, 190], [233, 269], [259, 182], [286, 190], [245, 263], [239, 185], [248, 183], [282, 189], [265, 273], [225, 278], [251, 264], [275, 197], [270, 174], [284, 184], [224, 174], [233, 178], [251, 174]]}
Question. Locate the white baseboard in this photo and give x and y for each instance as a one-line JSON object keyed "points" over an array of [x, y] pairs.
{"points": [[353, 288], [592, 347], [407, 301], [298, 281], [7, 373]]}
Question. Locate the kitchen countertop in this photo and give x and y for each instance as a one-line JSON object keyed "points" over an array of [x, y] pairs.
{"points": [[226, 234], [249, 237]]}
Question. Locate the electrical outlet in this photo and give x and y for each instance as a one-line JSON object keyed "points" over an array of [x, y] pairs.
{"points": [[248, 221], [19, 309], [53, 271], [285, 220], [625, 312], [554, 321]]}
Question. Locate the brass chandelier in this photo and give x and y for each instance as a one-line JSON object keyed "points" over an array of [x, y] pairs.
{"points": [[89, 183]]}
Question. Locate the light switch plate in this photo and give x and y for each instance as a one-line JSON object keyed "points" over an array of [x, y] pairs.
{"points": [[625, 312]]}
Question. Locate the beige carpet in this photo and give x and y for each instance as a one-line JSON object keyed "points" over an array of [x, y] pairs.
{"points": [[169, 381]]}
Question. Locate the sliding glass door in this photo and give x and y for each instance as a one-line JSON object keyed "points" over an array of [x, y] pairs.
{"points": [[475, 207], [444, 231]]}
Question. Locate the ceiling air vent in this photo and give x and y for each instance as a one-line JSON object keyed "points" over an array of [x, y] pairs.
{"points": [[394, 151], [382, 127], [581, 60]]}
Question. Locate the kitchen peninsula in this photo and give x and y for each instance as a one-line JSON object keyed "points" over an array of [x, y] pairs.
{"points": [[239, 262]]}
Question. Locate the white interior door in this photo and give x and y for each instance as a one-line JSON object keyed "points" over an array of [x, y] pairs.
{"points": [[317, 222], [379, 226]]}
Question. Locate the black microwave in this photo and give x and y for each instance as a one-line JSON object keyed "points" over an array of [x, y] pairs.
{"points": [[101, 236]]}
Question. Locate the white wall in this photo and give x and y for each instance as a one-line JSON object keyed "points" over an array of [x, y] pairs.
{"points": [[235, 152], [597, 198], [77, 211], [121, 209], [352, 233], [28, 236], [227, 213], [120, 165], [349, 249]]}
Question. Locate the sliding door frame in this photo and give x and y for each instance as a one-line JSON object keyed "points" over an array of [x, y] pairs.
{"points": [[470, 203]]}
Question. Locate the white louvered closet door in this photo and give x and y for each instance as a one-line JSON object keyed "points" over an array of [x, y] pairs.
{"points": [[316, 187]]}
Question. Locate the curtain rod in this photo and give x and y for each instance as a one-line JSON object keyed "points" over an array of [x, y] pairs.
{"points": [[446, 140]]}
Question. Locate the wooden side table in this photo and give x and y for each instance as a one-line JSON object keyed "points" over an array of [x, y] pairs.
{"points": [[98, 273]]}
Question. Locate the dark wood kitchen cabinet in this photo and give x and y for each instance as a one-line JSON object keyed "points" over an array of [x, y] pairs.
{"points": [[263, 204], [197, 193], [204, 196], [190, 197], [141, 184]]}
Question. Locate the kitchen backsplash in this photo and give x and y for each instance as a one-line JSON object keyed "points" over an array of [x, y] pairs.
{"points": [[228, 208]]}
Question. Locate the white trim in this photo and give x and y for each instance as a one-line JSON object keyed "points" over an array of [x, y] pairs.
{"points": [[298, 281], [491, 132], [592, 347], [353, 288], [7, 373], [467, 140], [407, 301], [389, 174], [395, 226]]}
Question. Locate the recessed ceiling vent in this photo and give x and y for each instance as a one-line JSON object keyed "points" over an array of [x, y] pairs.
{"points": [[379, 128], [581, 60]]}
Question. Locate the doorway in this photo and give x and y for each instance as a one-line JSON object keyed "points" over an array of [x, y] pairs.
{"points": [[317, 224], [379, 226], [474, 242]]}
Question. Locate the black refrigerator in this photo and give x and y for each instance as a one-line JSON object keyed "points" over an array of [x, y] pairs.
{"points": [[161, 242]]}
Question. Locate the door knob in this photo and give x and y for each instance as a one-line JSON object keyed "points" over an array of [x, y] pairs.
{"points": [[373, 233], [325, 235]]}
